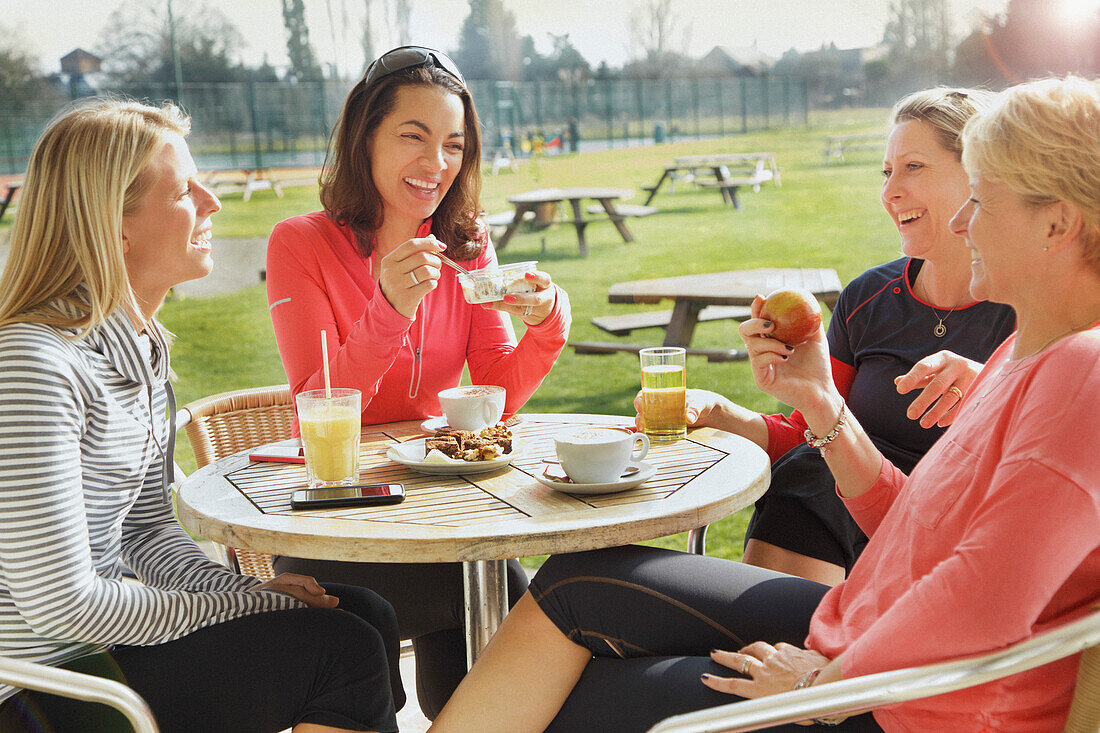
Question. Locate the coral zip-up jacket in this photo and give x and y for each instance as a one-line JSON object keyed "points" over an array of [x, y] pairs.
{"points": [[317, 279], [993, 538]]}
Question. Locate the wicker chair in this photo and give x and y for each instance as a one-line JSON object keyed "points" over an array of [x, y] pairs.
{"points": [[223, 424], [887, 688]]}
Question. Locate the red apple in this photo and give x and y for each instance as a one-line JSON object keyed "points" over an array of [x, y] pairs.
{"points": [[795, 313]]}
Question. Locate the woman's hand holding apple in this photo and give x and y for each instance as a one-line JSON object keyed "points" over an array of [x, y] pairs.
{"points": [[799, 376]]}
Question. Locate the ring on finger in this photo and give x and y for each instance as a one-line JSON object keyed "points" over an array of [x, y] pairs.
{"points": [[412, 274], [528, 310], [953, 389], [745, 666]]}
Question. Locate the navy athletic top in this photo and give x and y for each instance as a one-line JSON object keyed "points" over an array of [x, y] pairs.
{"points": [[881, 329]]}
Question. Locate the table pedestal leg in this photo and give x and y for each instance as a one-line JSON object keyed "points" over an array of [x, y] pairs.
{"points": [[486, 589], [697, 540]]}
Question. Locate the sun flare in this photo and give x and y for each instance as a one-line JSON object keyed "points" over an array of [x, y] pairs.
{"points": [[1078, 11]]}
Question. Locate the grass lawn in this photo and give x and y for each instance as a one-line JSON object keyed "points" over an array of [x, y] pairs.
{"points": [[820, 217]]}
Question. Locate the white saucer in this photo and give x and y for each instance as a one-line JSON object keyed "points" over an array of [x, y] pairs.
{"points": [[433, 425], [411, 453], [646, 471]]}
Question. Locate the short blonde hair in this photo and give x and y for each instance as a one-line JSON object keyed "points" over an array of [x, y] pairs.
{"points": [[945, 109], [1042, 140], [84, 175]]}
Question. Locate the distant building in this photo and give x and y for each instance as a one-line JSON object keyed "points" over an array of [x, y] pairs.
{"points": [[745, 61], [80, 73], [834, 76], [79, 62]]}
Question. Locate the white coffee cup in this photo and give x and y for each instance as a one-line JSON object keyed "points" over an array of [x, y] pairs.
{"points": [[597, 455], [474, 407]]}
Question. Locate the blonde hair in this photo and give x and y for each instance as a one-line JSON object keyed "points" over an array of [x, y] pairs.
{"points": [[84, 175], [945, 109], [1042, 140]]}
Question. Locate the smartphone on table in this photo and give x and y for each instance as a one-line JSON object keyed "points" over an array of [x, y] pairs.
{"points": [[344, 496]]}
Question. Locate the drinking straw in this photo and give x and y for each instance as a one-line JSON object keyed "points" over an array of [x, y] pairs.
{"points": [[324, 360]]}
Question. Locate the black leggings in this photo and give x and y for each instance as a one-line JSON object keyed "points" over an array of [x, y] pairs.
{"points": [[264, 673], [650, 618], [431, 610]]}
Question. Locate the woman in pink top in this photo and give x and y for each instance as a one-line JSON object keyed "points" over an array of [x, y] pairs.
{"points": [[991, 540], [400, 186]]}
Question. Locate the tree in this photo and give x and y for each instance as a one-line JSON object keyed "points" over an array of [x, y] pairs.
{"points": [[136, 46], [919, 36], [564, 62], [488, 44], [655, 28], [303, 62], [19, 78]]}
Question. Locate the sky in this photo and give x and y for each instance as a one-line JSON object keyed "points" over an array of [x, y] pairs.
{"points": [[599, 30]]}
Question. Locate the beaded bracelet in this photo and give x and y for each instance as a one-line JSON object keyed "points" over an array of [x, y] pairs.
{"points": [[815, 442]]}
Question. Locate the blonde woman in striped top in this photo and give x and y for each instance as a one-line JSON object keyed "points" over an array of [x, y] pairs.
{"points": [[111, 218]]}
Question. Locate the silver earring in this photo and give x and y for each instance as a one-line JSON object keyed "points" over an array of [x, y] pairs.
{"points": [[1046, 248]]}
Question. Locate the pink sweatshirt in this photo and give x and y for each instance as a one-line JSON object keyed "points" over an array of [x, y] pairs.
{"points": [[995, 537], [317, 279]]}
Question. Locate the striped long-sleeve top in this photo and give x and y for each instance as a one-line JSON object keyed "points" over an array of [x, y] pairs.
{"points": [[83, 436]]}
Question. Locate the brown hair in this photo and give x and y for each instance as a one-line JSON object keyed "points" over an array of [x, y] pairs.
{"points": [[348, 193], [945, 109]]}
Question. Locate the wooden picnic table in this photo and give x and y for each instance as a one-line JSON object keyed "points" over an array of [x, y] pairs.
{"points": [[752, 169], [529, 200], [477, 519], [693, 293], [9, 197], [837, 145]]}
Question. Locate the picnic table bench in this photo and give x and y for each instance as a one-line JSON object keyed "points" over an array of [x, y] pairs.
{"points": [[729, 186], [249, 180], [763, 165], [621, 325], [729, 171], [527, 203], [837, 145], [6, 201]]}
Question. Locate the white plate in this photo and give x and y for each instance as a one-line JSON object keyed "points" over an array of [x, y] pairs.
{"points": [[433, 425], [646, 471], [411, 454]]}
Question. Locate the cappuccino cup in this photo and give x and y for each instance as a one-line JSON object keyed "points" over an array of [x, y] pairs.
{"points": [[596, 455], [472, 408]]}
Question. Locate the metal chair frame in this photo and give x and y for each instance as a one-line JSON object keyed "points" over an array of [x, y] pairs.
{"points": [[860, 694], [66, 683]]}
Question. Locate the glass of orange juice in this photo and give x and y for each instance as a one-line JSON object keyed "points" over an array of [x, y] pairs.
{"points": [[664, 393], [329, 422]]}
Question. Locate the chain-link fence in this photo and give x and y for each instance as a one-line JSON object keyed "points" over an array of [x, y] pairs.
{"points": [[281, 124]]}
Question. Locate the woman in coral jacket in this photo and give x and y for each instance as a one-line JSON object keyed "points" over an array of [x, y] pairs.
{"points": [[401, 185]]}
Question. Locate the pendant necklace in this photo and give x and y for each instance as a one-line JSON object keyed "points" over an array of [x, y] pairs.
{"points": [[940, 330]]}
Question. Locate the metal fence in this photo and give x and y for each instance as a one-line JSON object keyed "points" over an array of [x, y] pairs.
{"points": [[265, 124]]}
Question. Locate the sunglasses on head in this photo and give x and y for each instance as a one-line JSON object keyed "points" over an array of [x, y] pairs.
{"points": [[407, 57]]}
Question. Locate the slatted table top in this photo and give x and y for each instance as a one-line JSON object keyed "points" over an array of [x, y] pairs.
{"points": [[550, 195], [489, 516]]}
